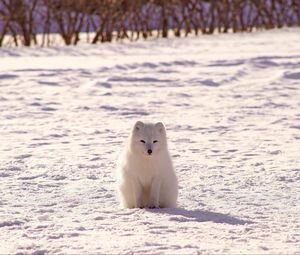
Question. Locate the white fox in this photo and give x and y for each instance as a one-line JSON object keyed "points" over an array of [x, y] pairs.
{"points": [[145, 175]]}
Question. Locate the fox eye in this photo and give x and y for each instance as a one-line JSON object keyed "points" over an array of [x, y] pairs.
{"points": [[142, 141], [155, 141]]}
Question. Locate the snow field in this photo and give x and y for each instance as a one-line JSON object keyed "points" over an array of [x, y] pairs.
{"points": [[231, 105]]}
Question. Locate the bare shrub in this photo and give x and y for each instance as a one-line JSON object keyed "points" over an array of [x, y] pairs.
{"points": [[20, 19], [134, 19], [68, 17]]}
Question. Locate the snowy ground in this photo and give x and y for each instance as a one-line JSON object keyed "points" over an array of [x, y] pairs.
{"points": [[231, 104]]}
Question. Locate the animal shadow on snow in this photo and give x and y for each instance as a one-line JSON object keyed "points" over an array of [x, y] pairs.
{"points": [[183, 215]]}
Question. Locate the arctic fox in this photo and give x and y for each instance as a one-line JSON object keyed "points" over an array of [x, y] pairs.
{"points": [[145, 175]]}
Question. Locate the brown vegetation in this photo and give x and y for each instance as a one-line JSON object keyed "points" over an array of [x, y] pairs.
{"points": [[112, 20]]}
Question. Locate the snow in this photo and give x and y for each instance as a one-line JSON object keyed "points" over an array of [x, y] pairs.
{"points": [[231, 105]]}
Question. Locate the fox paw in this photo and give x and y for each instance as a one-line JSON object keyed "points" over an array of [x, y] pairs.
{"points": [[153, 207]]}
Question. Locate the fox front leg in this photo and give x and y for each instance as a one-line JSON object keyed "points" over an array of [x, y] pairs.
{"points": [[154, 194], [138, 195]]}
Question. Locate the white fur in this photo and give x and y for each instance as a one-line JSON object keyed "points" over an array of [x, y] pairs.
{"points": [[147, 180]]}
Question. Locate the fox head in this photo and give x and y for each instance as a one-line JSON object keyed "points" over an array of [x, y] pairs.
{"points": [[148, 139]]}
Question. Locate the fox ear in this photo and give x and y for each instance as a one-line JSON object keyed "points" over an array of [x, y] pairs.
{"points": [[138, 125], [161, 127]]}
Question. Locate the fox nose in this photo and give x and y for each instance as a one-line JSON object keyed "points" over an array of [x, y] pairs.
{"points": [[149, 151]]}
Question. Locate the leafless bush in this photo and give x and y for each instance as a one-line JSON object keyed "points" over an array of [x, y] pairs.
{"points": [[19, 19], [68, 17], [4, 23], [110, 20]]}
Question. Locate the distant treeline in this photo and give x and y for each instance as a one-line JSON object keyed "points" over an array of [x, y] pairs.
{"points": [[21, 21]]}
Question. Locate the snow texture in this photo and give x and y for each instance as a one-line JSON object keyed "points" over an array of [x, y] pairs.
{"points": [[231, 105]]}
